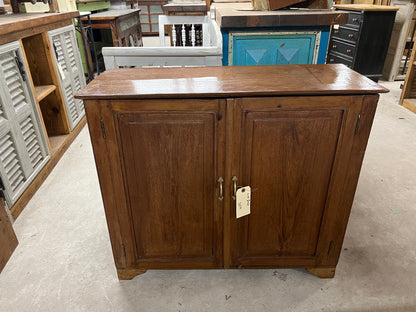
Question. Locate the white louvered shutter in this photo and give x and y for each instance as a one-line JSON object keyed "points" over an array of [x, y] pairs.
{"points": [[68, 61], [23, 147]]}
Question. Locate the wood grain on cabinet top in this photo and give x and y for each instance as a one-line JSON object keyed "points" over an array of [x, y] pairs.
{"points": [[226, 81], [185, 7], [365, 7], [111, 14], [16, 22], [238, 15]]}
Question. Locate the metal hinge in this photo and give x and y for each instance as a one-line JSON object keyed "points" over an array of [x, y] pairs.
{"points": [[330, 247], [357, 125], [2, 189], [103, 129], [123, 249], [20, 66], [56, 51]]}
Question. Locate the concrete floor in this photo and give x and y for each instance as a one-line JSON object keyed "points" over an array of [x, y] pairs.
{"points": [[64, 260]]}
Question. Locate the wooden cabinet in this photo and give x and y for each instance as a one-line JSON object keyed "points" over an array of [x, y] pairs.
{"points": [[40, 71], [253, 37], [123, 25], [363, 42], [169, 161]]}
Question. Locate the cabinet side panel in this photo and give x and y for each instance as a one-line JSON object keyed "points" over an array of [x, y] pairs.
{"points": [[286, 157], [169, 160], [346, 174]]}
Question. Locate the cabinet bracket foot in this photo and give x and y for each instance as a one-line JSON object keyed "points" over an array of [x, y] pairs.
{"points": [[322, 272], [128, 274]]}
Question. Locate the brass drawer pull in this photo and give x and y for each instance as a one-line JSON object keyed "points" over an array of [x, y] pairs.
{"points": [[331, 60], [355, 19], [350, 36], [234, 179], [221, 181], [348, 51], [334, 46], [336, 31]]}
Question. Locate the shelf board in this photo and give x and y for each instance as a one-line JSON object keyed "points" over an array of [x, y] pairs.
{"points": [[43, 91], [56, 142], [410, 104]]}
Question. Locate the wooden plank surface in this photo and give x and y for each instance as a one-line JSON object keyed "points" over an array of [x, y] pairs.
{"points": [[17, 26], [239, 15], [15, 22], [226, 81], [184, 7], [8, 239], [43, 91], [365, 7], [410, 104]]}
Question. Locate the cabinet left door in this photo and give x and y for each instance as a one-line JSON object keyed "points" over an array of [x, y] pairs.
{"points": [[23, 145], [71, 77], [159, 162]]}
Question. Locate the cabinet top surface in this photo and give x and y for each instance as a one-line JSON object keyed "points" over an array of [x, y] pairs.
{"points": [[112, 14], [365, 7], [229, 81], [238, 15], [187, 7], [21, 21]]}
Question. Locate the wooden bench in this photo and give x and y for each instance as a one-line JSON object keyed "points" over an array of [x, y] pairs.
{"points": [[209, 54]]}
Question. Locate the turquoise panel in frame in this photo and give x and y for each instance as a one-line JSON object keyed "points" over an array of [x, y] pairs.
{"points": [[273, 48]]}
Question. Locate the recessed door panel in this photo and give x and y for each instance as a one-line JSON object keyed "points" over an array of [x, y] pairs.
{"points": [[170, 183], [286, 157]]}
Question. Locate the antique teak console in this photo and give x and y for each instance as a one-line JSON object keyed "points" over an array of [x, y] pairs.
{"points": [[173, 144]]}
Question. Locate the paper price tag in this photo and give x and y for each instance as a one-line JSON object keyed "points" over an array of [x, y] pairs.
{"points": [[243, 200], [61, 71]]}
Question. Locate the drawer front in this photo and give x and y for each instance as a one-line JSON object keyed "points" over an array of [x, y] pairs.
{"points": [[343, 48], [354, 19], [337, 59], [345, 33]]}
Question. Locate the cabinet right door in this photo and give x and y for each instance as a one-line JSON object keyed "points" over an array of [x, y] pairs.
{"points": [[290, 150]]}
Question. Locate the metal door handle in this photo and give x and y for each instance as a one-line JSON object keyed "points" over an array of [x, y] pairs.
{"points": [[221, 181], [234, 179]]}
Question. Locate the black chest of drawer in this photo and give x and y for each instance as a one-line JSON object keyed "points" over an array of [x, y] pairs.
{"points": [[362, 43]]}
